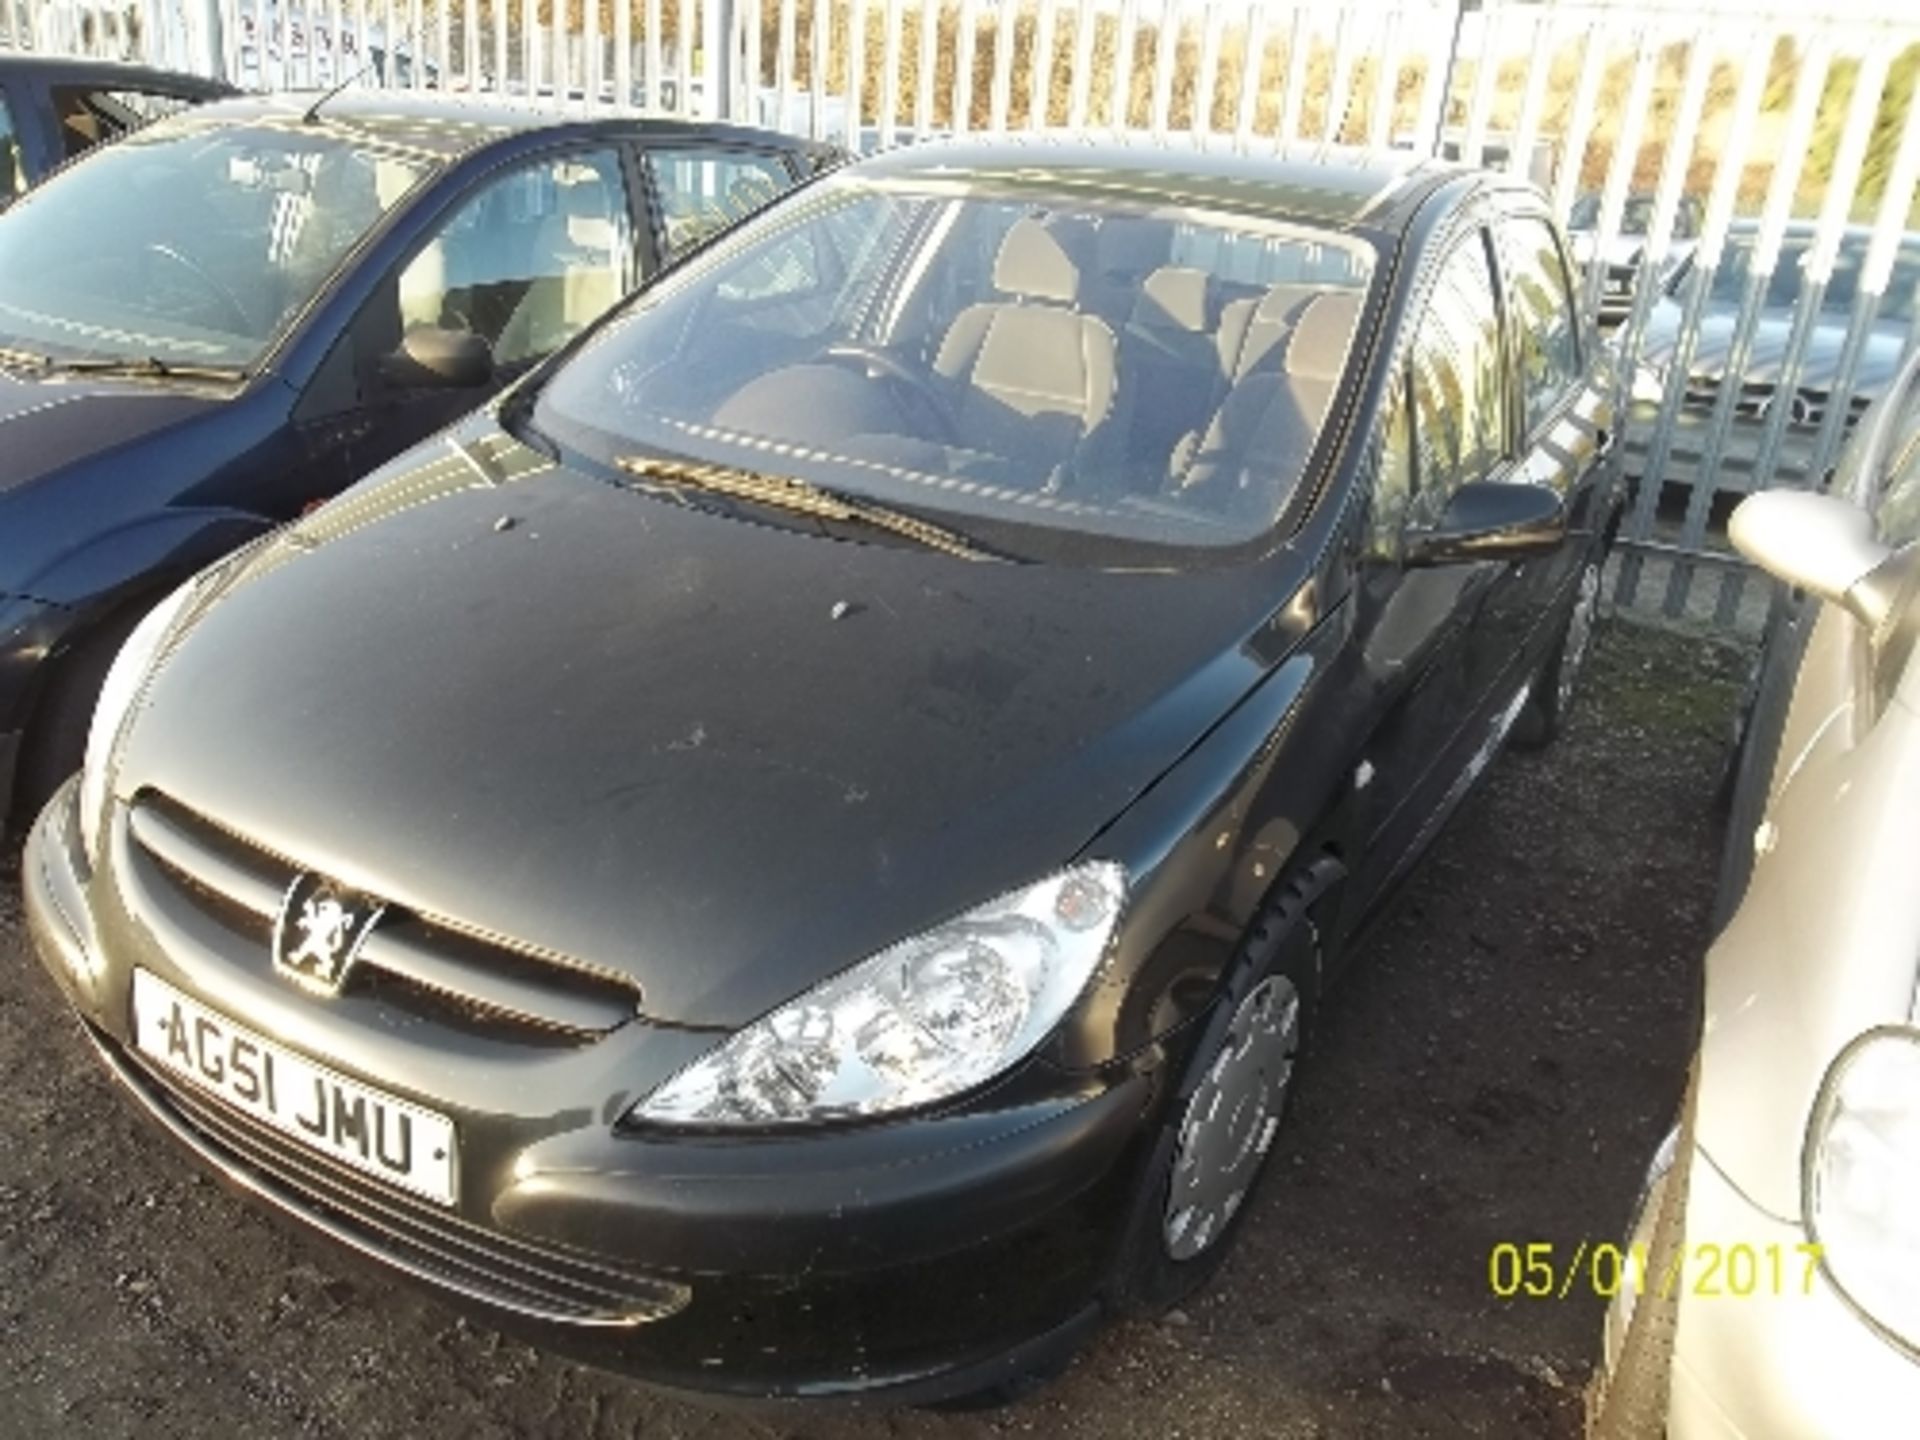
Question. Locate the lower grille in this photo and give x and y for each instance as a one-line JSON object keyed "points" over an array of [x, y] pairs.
{"points": [[484, 1265]]}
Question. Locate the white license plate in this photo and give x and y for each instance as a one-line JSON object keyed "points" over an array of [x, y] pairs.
{"points": [[388, 1138]]}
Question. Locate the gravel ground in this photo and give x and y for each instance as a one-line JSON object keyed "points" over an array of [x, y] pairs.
{"points": [[1496, 1068]]}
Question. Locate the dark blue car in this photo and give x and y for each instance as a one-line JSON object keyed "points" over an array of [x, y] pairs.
{"points": [[226, 318]]}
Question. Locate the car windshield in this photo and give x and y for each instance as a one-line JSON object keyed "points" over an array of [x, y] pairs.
{"points": [[190, 243], [1012, 360], [1783, 287]]}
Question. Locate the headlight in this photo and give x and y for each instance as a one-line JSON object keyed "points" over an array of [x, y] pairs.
{"points": [[924, 1019], [1863, 1178], [117, 694]]}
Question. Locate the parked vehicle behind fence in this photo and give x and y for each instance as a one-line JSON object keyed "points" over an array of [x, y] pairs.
{"points": [[1778, 1227], [1822, 377], [56, 110], [232, 314], [1619, 259], [797, 853]]}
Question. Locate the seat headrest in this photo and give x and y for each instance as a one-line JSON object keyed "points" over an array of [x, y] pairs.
{"points": [[1032, 264], [1176, 297], [1283, 302], [1323, 335]]}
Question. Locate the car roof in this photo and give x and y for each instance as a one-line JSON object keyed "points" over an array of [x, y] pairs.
{"points": [[59, 69], [450, 126], [1339, 187]]}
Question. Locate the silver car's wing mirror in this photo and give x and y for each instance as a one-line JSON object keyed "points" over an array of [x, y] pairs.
{"points": [[1822, 544]]}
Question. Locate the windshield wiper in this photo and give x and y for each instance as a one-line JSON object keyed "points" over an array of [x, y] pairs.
{"points": [[798, 497], [149, 367]]}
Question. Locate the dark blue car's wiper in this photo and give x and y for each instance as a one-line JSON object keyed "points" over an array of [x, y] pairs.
{"points": [[149, 367], [798, 497]]}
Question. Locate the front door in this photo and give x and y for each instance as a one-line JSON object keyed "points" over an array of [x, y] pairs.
{"points": [[1421, 642], [525, 262]]}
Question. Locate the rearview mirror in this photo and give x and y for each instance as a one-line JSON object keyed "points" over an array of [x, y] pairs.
{"points": [[432, 357], [1491, 520], [1820, 543]]}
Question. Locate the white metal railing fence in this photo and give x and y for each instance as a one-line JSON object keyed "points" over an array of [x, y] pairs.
{"points": [[1720, 132]]}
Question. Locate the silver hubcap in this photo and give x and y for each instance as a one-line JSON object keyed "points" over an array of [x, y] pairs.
{"points": [[1232, 1117], [1573, 652]]}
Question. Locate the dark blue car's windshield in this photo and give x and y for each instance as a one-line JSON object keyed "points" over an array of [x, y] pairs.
{"points": [[192, 242], [1110, 367]]}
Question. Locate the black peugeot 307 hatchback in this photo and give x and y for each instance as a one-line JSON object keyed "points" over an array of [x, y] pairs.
{"points": [[230, 315], [795, 853]]}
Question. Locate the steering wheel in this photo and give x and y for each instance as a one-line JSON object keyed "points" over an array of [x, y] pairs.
{"points": [[874, 359], [207, 282]]}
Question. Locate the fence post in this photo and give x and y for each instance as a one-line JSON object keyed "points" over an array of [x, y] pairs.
{"points": [[209, 53], [721, 67], [1461, 8]]}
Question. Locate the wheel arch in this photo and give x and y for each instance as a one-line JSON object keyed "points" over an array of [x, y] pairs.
{"points": [[98, 584]]}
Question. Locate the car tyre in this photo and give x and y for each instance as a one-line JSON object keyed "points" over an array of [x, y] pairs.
{"points": [[1213, 1145], [57, 741], [1544, 715]]}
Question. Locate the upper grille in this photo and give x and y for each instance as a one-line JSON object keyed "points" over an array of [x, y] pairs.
{"points": [[1755, 398], [421, 1239], [417, 963]]}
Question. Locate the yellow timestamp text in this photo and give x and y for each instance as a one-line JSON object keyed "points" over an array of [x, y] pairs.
{"points": [[1543, 1270]]}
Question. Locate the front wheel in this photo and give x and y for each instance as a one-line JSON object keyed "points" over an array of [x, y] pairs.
{"points": [[1545, 714], [1213, 1145]]}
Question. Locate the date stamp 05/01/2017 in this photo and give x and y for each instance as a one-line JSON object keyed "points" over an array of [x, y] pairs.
{"points": [[1542, 1270]]}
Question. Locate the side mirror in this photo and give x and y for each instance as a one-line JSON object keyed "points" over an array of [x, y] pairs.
{"points": [[431, 357], [1820, 543], [1491, 520]]}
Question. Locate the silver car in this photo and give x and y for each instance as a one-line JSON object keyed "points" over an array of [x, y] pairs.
{"points": [[1772, 1279]]}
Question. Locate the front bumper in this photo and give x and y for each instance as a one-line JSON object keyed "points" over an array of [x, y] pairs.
{"points": [[910, 1260], [1787, 1360]]}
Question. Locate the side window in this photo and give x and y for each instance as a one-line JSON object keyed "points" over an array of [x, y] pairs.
{"points": [[1458, 424], [1393, 482], [143, 107], [528, 262], [705, 190], [90, 117], [1545, 334], [13, 176]]}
